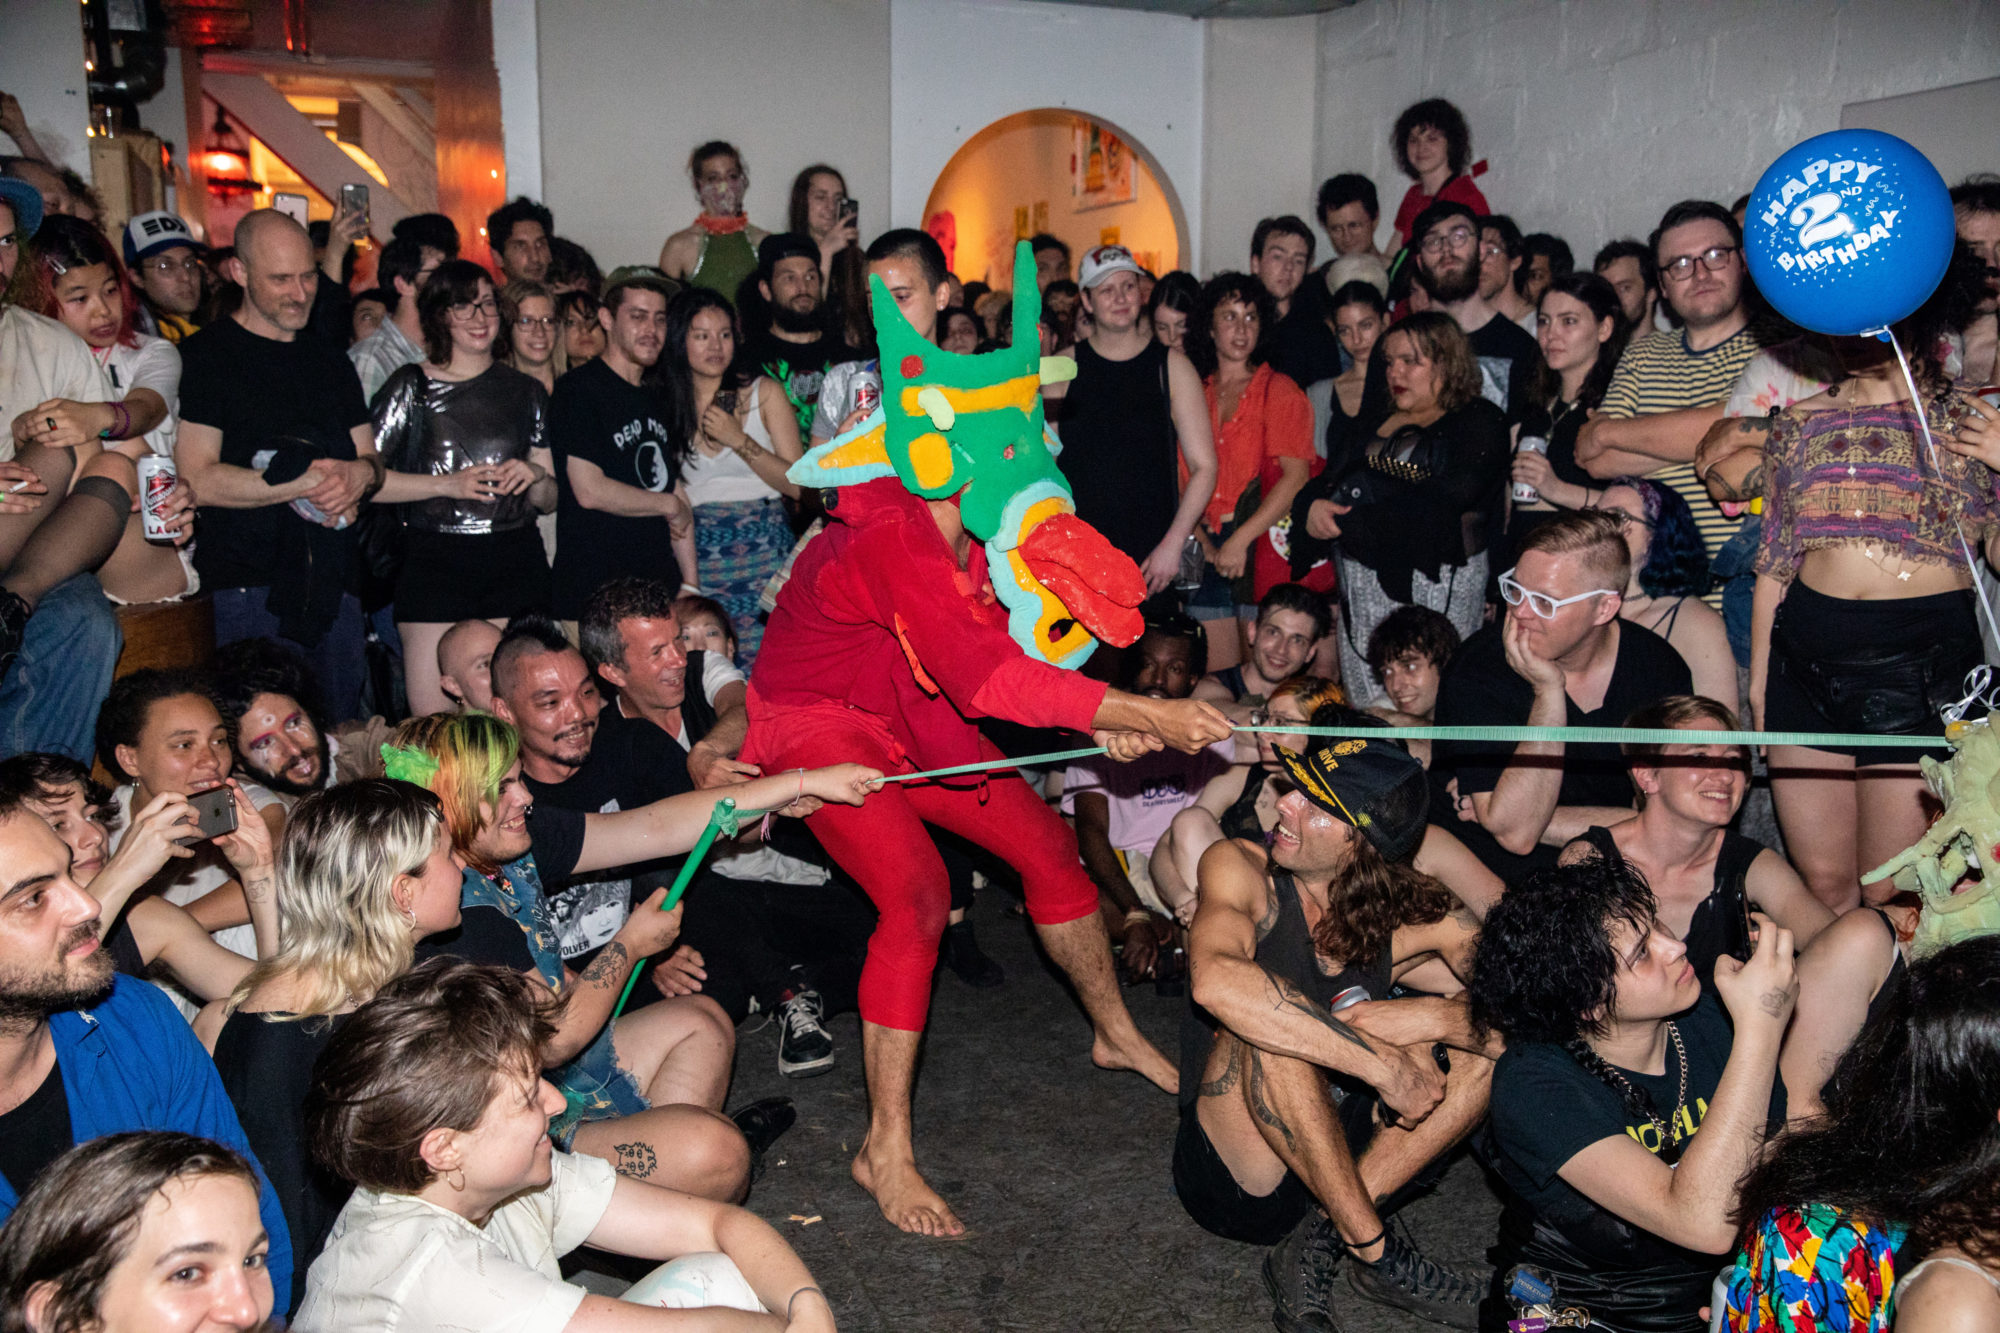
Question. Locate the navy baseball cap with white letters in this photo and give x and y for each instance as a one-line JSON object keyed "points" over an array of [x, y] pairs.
{"points": [[150, 233]]}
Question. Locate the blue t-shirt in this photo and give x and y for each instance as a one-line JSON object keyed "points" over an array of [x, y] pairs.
{"points": [[131, 1062]]}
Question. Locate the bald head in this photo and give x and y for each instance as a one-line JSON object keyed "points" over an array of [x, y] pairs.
{"points": [[274, 266], [465, 663]]}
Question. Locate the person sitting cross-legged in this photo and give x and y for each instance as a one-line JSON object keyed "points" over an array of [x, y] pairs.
{"points": [[1630, 1101], [430, 1099], [1321, 1097]]}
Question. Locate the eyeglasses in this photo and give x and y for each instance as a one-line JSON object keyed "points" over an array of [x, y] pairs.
{"points": [[1541, 603], [1492, 249], [542, 322], [468, 309], [1714, 259], [1622, 517], [167, 267], [1455, 239]]}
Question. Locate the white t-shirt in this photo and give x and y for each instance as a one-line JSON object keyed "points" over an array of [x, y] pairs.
{"points": [[39, 360], [1147, 793], [394, 1263], [154, 364]]}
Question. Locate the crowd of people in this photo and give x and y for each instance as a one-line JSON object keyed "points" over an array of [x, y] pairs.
{"points": [[340, 977]]}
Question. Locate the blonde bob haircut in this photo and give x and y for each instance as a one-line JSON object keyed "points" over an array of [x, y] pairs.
{"points": [[343, 851], [471, 753]]}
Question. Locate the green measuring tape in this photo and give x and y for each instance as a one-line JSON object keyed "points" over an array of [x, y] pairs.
{"points": [[725, 817]]}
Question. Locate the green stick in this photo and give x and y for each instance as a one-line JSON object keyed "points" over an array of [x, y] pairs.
{"points": [[723, 813]]}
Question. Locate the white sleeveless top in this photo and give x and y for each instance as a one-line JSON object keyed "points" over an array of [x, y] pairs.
{"points": [[726, 478]]}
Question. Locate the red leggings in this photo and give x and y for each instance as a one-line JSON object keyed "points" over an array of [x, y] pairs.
{"points": [[884, 845]]}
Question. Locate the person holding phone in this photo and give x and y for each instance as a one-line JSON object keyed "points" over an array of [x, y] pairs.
{"points": [[147, 930], [737, 434], [159, 732]]}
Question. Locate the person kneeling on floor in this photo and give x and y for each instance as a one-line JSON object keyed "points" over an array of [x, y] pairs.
{"points": [[1320, 1098]]}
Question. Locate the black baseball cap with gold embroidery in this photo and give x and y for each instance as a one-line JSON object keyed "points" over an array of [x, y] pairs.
{"points": [[1375, 786]]}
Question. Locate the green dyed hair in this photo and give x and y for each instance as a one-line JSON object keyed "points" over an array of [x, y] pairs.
{"points": [[473, 752]]}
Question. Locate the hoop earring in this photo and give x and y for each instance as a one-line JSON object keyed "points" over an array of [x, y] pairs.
{"points": [[459, 1184]]}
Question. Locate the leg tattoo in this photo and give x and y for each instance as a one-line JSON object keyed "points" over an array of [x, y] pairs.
{"points": [[636, 1160], [1261, 1107], [1222, 1083]]}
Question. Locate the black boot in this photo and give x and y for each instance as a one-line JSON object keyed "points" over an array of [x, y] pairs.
{"points": [[763, 1123], [962, 955], [1298, 1274]]}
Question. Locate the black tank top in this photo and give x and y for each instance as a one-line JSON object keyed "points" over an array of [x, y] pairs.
{"points": [[1721, 924], [1288, 952], [1119, 448]]}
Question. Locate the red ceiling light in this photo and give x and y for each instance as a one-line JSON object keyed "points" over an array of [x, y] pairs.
{"points": [[225, 160]]}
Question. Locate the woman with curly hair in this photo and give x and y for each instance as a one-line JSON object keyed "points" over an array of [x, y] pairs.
{"points": [[1433, 146], [1903, 1166], [1669, 575], [1262, 426], [1626, 1109]]}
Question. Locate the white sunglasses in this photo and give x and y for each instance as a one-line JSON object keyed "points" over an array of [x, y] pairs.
{"points": [[1541, 603]]}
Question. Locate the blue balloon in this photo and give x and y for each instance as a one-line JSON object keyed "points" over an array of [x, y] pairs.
{"points": [[1848, 232]]}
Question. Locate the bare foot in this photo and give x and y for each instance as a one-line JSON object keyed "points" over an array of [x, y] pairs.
{"points": [[1138, 1055], [903, 1195]]}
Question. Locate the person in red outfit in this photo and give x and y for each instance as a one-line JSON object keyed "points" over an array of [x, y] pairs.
{"points": [[886, 642], [1433, 146]]}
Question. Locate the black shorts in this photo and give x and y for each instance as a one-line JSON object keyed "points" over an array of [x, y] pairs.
{"points": [[1218, 1204], [447, 579], [1875, 667]]}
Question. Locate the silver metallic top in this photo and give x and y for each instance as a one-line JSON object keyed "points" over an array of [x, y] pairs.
{"points": [[431, 427]]}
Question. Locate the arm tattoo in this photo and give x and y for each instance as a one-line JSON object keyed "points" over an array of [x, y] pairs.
{"points": [[635, 1160], [1260, 1106], [604, 969], [1291, 997], [1269, 921], [1224, 1082]]}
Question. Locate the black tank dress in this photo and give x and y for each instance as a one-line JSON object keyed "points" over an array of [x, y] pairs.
{"points": [[1721, 921]]}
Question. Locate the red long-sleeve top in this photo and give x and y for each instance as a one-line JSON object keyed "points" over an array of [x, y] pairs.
{"points": [[879, 618]]}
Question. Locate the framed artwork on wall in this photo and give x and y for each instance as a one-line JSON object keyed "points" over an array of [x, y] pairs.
{"points": [[1100, 165]]}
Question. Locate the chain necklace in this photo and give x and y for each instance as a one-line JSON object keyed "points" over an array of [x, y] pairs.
{"points": [[1670, 1151]]}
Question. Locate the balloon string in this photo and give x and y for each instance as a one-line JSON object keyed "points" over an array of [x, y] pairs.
{"points": [[1930, 444]]}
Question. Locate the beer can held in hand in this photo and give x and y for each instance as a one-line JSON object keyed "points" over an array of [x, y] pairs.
{"points": [[1524, 494], [156, 482]]}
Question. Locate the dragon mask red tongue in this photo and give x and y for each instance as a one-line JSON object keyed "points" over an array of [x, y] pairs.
{"points": [[1096, 581]]}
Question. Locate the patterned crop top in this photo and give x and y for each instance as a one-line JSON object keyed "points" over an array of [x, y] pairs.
{"points": [[1863, 474]]}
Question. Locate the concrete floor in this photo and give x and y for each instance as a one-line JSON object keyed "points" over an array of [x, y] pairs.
{"points": [[1059, 1170]]}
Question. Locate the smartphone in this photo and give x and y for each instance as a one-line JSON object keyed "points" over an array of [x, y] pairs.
{"points": [[354, 200], [850, 209], [292, 206], [215, 814]]}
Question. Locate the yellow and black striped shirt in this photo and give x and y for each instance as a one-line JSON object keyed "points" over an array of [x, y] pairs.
{"points": [[1659, 373]]}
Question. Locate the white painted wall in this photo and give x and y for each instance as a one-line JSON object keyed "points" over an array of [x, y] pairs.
{"points": [[628, 87], [960, 65], [517, 59], [41, 63], [1597, 114], [1258, 136]]}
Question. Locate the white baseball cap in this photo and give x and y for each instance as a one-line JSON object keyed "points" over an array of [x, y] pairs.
{"points": [[1104, 261]]}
